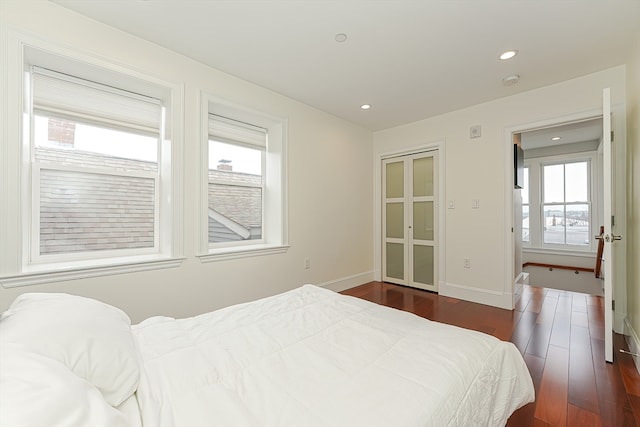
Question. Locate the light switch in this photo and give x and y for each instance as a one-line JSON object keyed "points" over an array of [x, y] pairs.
{"points": [[475, 204], [451, 204]]}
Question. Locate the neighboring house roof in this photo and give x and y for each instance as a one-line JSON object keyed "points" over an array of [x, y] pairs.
{"points": [[242, 232], [84, 211], [231, 197]]}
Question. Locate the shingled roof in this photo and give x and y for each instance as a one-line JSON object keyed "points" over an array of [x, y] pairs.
{"points": [[235, 203], [84, 211]]}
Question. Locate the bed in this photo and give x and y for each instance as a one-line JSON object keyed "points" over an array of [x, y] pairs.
{"points": [[307, 357]]}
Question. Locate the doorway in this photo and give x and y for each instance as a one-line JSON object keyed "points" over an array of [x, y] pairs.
{"points": [[612, 190], [559, 209]]}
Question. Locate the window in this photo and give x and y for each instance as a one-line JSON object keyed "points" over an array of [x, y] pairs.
{"points": [[98, 172], [558, 200], [94, 167], [236, 180], [244, 197], [566, 204], [525, 207]]}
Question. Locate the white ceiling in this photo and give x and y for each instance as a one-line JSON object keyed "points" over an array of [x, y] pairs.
{"points": [[409, 59], [572, 133]]}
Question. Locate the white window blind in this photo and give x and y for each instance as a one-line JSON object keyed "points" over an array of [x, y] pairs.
{"points": [[224, 129], [64, 96]]}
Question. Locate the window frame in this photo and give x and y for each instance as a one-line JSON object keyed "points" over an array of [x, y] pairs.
{"points": [[20, 267], [274, 200], [527, 187], [536, 203]]}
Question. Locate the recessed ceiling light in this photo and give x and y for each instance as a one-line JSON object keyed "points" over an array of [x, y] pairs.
{"points": [[556, 138], [365, 106], [341, 37], [508, 54]]}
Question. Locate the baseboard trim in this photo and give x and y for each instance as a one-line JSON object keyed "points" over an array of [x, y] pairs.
{"points": [[344, 283], [633, 341], [479, 295]]}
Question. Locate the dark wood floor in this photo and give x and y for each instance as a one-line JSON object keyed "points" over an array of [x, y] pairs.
{"points": [[560, 335]]}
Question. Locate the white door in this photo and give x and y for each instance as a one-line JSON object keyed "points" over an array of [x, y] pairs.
{"points": [[608, 236], [409, 220]]}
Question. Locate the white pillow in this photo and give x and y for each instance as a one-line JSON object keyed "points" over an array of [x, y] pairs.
{"points": [[39, 391], [91, 338]]}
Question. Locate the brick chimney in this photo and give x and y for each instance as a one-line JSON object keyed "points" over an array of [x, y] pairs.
{"points": [[225, 165], [61, 132]]}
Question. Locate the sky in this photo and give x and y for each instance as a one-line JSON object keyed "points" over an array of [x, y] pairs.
{"points": [[139, 147]]}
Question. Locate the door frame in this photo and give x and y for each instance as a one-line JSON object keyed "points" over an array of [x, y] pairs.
{"points": [[619, 128], [439, 146]]}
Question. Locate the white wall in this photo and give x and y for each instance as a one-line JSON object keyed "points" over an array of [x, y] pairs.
{"points": [[481, 169], [329, 182], [633, 207]]}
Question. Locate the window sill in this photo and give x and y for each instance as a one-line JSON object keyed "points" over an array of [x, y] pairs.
{"points": [[47, 276], [224, 254], [566, 252]]}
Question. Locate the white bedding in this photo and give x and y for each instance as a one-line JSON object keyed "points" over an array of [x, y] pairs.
{"points": [[311, 357]]}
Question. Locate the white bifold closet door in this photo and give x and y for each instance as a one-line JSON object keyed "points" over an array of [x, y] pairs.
{"points": [[410, 219]]}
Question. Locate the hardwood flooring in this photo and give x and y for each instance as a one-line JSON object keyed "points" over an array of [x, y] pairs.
{"points": [[561, 337]]}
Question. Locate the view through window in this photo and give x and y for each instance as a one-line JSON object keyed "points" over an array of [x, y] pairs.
{"points": [[235, 192], [96, 187], [566, 204]]}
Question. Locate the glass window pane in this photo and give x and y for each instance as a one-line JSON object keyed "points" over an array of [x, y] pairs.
{"points": [[235, 213], [578, 225], [395, 220], [525, 187], [395, 180], [423, 220], [82, 212], [395, 260], [67, 142], [423, 177], [235, 192], [553, 224], [553, 184], [423, 264], [235, 158], [576, 182], [525, 223]]}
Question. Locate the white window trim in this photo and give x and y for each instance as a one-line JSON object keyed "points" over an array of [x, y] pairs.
{"points": [[536, 239], [275, 221], [17, 49]]}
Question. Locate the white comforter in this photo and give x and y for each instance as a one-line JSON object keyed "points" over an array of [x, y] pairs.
{"points": [[311, 357]]}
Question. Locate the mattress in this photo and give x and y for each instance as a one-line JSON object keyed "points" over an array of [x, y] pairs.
{"points": [[312, 357]]}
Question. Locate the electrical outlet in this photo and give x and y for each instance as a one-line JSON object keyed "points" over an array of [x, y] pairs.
{"points": [[307, 263], [475, 204], [467, 263]]}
